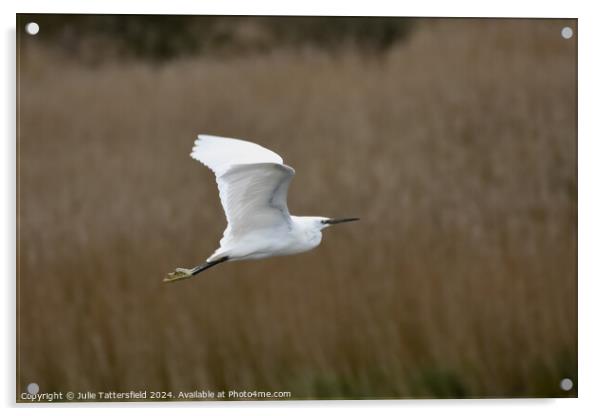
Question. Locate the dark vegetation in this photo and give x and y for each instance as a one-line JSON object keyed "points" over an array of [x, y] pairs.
{"points": [[98, 38]]}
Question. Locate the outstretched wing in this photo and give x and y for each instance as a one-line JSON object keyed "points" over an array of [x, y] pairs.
{"points": [[220, 153], [252, 181], [254, 197]]}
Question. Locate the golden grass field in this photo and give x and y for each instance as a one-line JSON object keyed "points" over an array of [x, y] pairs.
{"points": [[457, 149]]}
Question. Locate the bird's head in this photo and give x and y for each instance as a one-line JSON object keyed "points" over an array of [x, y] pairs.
{"points": [[315, 225]]}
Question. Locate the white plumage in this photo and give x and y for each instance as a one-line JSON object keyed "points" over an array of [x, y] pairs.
{"points": [[219, 153], [253, 184]]}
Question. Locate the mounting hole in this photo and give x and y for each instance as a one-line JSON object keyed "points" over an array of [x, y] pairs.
{"points": [[33, 388], [32, 28], [566, 32], [566, 384]]}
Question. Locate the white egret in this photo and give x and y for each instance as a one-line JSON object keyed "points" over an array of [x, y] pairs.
{"points": [[253, 184]]}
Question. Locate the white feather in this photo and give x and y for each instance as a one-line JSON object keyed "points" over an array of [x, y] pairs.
{"points": [[253, 185], [220, 153]]}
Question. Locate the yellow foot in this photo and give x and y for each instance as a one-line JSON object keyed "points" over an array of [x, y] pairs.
{"points": [[178, 275]]}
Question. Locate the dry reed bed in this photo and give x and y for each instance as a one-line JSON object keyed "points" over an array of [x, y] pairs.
{"points": [[458, 150]]}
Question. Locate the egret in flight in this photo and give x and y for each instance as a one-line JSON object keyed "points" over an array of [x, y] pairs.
{"points": [[253, 183]]}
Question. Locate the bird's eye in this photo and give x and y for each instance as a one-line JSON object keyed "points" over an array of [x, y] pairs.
{"points": [[323, 221]]}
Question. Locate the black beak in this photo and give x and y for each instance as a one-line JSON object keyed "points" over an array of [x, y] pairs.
{"points": [[333, 221]]}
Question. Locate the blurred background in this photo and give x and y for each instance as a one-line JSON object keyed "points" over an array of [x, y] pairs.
{"points": [[453, 139]]}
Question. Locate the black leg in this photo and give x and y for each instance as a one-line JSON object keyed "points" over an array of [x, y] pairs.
{"points": [[208, 265]]}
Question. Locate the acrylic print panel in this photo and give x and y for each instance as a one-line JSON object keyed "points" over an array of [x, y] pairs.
{"points": [[454, 141]]}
